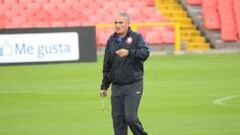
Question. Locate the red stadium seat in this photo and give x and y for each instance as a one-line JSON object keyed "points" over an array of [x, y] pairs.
{"points": [[10, 14], [2, 15], [29, 24], [108, 19], [228, 24], [63, 7], [103, 35], [73, 23], [150, 2], [10, 2], [88, 12], [29, 14], [18, 7], [42, 1], [2, 22], [19, 20], [168, 37], [143, 31], [56, 1], [211, 20], [77, 16], [156, 17], [96, 5], [74, 1], [148, 11], [51, 9], [95, 18], [194, 2], [77, 6], [10, 25], [123, 4], [42, 24], [58, 24], [236, 4], [34, 7], [104, 12], [139, 5], [16, 22], [26, 2], [153, 37], [110, 5], [210, 14], [210, 3], [134, 13]]}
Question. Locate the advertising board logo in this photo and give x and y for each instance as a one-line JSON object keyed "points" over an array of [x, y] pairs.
{"points": [[39, 47], [5, 49], [1, 51]]}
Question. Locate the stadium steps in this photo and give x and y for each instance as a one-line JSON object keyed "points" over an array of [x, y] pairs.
{"points": [[190, 35], [212, 34]]}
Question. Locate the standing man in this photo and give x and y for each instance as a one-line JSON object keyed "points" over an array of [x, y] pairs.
{"points": [[123, 68]]}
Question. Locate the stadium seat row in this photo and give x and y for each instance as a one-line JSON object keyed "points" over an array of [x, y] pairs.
{"points": [[153, 35], [223, 15], [64, 13]]}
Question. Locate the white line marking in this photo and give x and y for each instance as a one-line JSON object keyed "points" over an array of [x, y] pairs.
{"points": [[221, 101]]}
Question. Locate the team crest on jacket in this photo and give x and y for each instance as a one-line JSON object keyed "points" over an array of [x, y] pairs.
{"points": [[129, 40]]}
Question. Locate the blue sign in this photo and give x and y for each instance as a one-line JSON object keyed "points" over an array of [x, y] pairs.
{"points": [[1, 51]]}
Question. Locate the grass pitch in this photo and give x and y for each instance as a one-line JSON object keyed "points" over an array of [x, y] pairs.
{"points": [[179, 96]]}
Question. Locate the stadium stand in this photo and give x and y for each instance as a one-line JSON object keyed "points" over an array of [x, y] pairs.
{"points": [[61, 10], [217, 20], [65, 13], [191, 37]]}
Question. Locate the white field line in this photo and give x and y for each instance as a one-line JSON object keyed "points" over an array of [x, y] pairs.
{"points": [[221, 101]]}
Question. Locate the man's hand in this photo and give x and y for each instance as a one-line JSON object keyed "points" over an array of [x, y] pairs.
{"points": [[103, 93], [122, 52]]}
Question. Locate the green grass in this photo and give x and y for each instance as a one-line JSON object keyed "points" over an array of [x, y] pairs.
{"points": [[62, 99]]}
